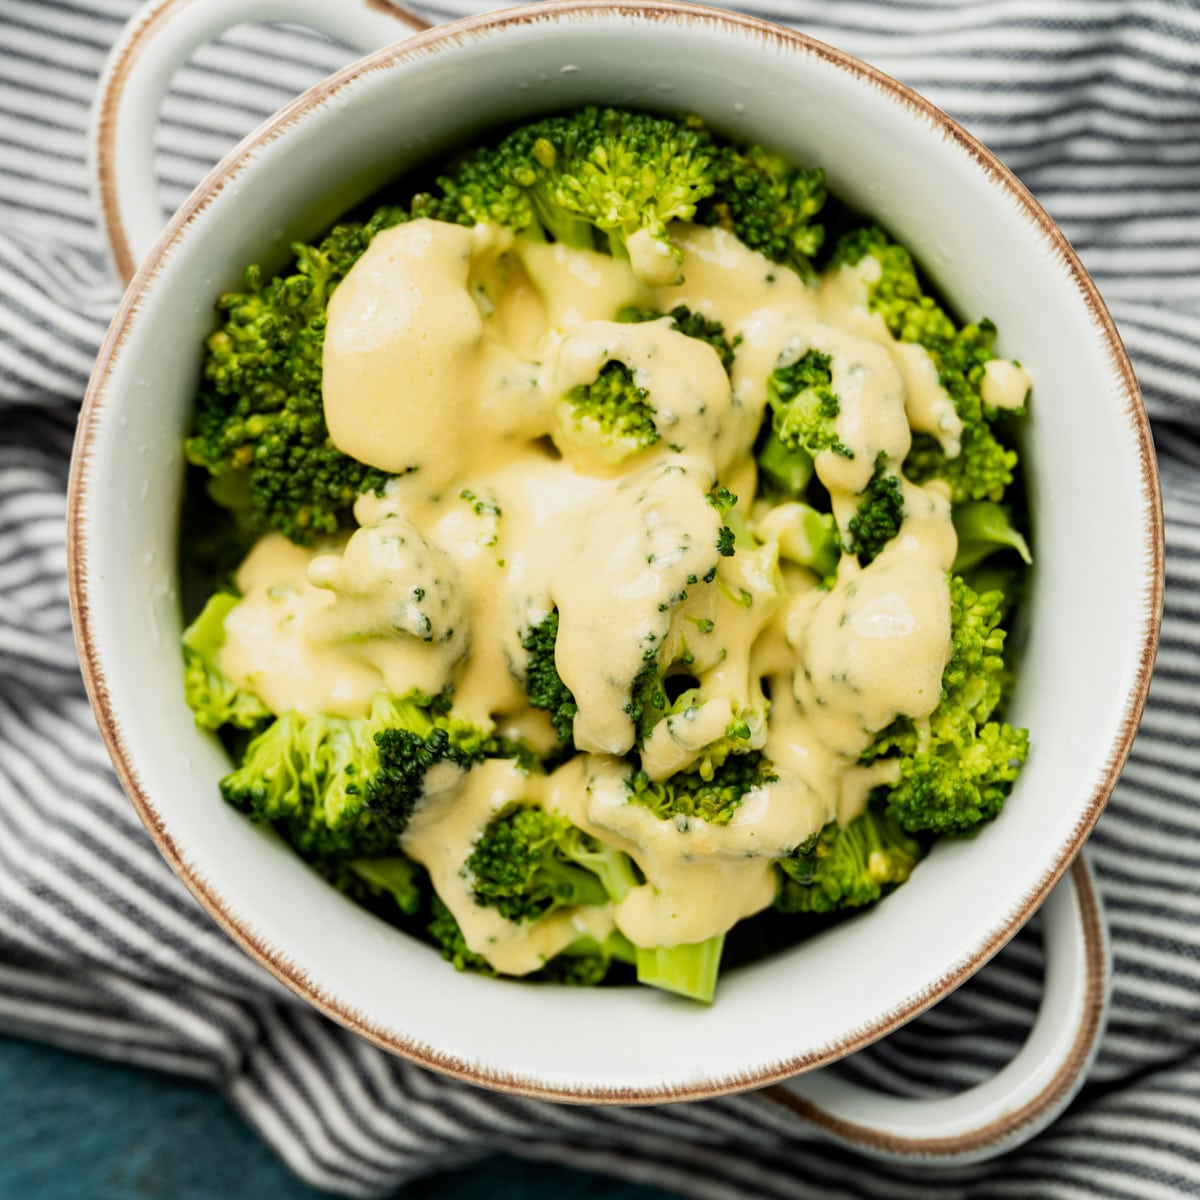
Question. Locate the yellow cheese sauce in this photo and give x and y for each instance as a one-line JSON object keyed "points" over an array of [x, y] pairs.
{"points": [[447, 356]]}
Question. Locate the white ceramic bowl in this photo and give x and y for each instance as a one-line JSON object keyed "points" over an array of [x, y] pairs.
{"points": [[1091, 617]]}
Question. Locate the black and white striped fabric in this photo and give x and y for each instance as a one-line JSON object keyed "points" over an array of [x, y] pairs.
{"points": [[1096, 105]]}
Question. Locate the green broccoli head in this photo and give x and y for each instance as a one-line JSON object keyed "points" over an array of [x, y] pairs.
{"points": [[878, 516], [707, 792], [584, 963], [529, 862], [260, 411], [543, 684], [783, 469], [957, 767], [960, 782], [213, 699], [606, 174], [387, 886], [445, 933], [985, 528], [745, 731], [768, 203], [804, 407], [690, 324], [724, 501], [648, 701], [848, 866], [345, 787], [617, 405], [984, 467]]}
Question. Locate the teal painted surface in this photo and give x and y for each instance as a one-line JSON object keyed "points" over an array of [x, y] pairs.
{"points": [[79, 1127]]}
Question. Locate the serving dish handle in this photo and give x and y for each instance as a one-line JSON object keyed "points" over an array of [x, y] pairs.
{"points": [[1015, 1104], [1047, 1072], [155, 43]]}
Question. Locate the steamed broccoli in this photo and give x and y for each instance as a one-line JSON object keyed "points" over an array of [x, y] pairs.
{"points": [[877, 519], [768, 203], [345, 787], [709, 793], [647, 698], [584, 963], [689, 970], [617, 404], [983, 468], [984, 528], [342, 790], [546, 690], [690, 324], [807, 537], [528, 862], [962, 780], [213, 699], [595, 178], [446, 934], [543, 684], [786, 469], [848, 866], [383, 885], [259, 412], [724, 501], [804, 406], [958, 766]]}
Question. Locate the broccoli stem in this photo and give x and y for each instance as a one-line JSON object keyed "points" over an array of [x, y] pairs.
{"points": [[689, 970]]}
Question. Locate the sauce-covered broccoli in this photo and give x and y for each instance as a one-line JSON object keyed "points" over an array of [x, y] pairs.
{"points": [[622, 562]]}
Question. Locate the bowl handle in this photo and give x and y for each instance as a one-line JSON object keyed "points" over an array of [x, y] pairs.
{"points": [[158, 40], [1013, 1106]]}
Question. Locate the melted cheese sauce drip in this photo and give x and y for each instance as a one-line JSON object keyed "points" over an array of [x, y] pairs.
{"points": [[447, 355]]}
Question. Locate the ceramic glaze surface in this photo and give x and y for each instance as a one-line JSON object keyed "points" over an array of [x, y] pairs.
{"points": [[985, 244]]}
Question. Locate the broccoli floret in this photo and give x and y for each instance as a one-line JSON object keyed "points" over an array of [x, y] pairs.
{"points": [[690, 324], [543, 684], [806, 537], [711, 793], [877, 519], [260, 411], [615, 402], [584, 963], [647, 699], [345, 787], [529, 862], [961, 782], [446, 934], [383, 885], [768, 203], [596, 178], [724, 501], [958, 766], [804, 406], [983, 529], [983, 468], [213, 699], [784, 469], [848, 866], [744, 733]]}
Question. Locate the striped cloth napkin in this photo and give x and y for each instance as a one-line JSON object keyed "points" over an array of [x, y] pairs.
{"points": [[1095, 104]]}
